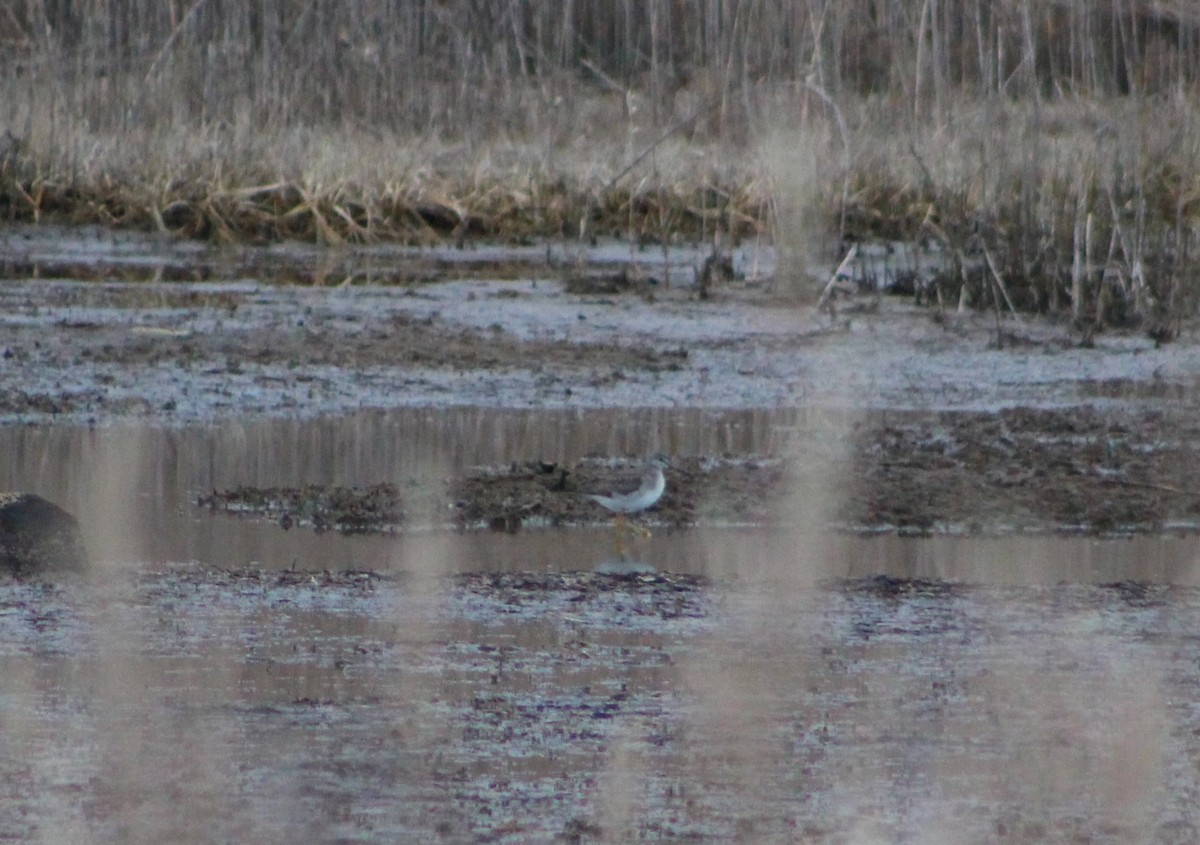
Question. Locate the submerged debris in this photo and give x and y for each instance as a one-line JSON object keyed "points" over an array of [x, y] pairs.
{"points": [[581, 582], [238, 584], [890, 587], [628, 279], [221, 576]]}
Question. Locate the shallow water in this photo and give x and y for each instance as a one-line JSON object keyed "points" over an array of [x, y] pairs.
{"points": [[89, 252], [134, 489], [1022, 689]]}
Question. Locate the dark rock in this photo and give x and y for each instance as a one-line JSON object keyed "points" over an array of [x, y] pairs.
{"points": [[37, 536]]}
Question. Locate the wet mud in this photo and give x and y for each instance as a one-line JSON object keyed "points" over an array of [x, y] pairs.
{"points": [[1076, 471], [346, 510], [549, 707], [1073, 469], [994, 644], [110, 350]]}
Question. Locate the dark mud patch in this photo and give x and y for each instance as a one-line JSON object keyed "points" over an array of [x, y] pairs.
{"points": [[662, 592], [890, 587], [347, 510], [1070, 469], [400, 341], [626, 280], [127, 297], [657, 595], [364, 579]]}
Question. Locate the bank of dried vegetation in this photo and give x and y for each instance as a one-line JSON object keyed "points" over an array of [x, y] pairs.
{"points": [[1049, 149]]}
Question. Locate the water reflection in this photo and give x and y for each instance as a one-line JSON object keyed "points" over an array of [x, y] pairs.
{"points": [[134, 489], [371, 446]]}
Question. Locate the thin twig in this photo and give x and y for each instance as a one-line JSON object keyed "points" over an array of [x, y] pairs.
{"points": [[1000, 282], [842, 272], [653, 145], [161, 56]]}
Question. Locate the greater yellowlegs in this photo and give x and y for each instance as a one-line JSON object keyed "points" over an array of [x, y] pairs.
{"points": [[649, 490]]}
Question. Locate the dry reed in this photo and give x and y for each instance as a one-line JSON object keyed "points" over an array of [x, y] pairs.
{"points": [[1056, 137]]}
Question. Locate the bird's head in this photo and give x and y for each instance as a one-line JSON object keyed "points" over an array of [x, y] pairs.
{"points": [[659, 460]]}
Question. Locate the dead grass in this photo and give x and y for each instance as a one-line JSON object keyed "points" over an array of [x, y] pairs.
{"points": [[1048, 149], [336, 186], [1088, 207]]}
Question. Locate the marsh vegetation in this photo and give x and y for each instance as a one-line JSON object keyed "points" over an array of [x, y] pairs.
{"points": [[1048, 150]]}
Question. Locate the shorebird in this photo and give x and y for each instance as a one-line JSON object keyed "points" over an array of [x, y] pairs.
{"points": [[649, 490]]}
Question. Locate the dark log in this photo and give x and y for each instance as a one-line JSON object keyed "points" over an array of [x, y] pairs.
{"points": [[38, 537]]}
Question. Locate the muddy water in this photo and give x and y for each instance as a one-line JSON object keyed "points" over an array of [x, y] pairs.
{"points": [[1021, 689], [143, 480], [134, 488]]}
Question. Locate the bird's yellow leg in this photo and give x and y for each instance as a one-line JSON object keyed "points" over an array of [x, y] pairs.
{"points": [[619, 525]]}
